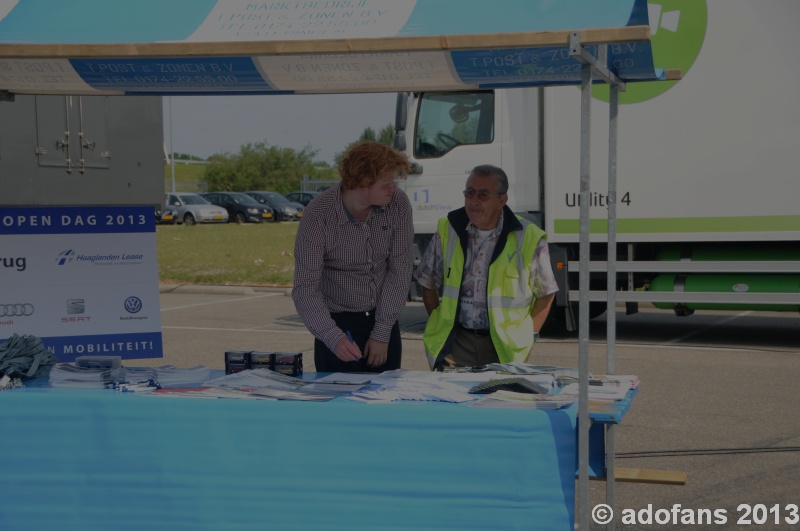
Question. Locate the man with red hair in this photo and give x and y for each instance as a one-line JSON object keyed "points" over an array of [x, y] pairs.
{"points": [[353, 263]]}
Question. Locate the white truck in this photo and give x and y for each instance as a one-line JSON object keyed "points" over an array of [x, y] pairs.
{"points": [[81, 150], [708, 186]]}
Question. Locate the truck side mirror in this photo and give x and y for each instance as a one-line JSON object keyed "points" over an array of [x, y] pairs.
{"points": [[400, 141], [401, 112]]}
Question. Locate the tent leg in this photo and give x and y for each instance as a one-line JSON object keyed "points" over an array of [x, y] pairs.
{"points": [[611, 282], [583, 302]]}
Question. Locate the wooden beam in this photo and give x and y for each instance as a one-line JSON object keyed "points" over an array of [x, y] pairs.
{"points": [[326, 46], [671, 75], [647, 475]]}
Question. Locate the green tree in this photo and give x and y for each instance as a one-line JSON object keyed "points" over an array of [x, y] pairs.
{"points": [[385, 137], [260, 166]]}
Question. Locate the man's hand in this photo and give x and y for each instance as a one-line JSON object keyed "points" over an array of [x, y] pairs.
{"points": [[376, 352], [430, 299], [346, 350], [541, 308]]}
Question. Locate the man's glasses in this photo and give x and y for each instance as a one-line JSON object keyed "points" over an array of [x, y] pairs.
{"points": [[483, 195]]}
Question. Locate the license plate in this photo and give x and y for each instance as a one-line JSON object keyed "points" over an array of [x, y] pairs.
{"points": [[267, 215], [300, 215], [217, 217]]}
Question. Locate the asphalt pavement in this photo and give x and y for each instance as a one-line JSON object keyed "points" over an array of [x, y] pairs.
{"points": [[718, 398]]}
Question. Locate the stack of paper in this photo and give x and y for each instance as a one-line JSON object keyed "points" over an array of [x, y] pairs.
{"points": [[413, 389], [171, 376], [264, 383], [256, 378], [629, 380], [356, 378], [509, 399], [135, 375], [68, 375], [561, 375], [606, 389]]}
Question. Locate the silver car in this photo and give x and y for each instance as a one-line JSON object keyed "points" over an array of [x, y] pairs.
{"points": [[192, 208]]}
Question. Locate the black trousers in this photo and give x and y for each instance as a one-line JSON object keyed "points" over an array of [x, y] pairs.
{"points": [[359, 324]]}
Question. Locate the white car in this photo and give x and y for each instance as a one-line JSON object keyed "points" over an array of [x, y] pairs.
{"points": [[192, 208]]}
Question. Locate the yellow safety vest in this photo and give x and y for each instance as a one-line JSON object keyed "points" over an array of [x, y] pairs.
{"points": [[510, 297]]}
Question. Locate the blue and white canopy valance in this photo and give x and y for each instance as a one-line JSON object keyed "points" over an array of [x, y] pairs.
{"points": [[311, 46]]}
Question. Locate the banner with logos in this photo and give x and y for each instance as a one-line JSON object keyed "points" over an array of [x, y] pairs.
{"points": [[214, 46], [83, 279]]}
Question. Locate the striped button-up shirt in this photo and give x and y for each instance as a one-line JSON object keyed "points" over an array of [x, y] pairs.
{"points": [[343, 265]]}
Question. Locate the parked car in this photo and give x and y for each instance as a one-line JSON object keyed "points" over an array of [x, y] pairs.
{"points": [[241, 207], [192, 208], [304, 198], [166, 216], [285, 210]]}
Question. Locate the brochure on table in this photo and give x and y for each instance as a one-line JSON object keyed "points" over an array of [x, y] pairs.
{"points": [[83, 279]]}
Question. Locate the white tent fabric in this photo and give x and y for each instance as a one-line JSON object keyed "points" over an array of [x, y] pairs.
{"points": [[324, 46]]}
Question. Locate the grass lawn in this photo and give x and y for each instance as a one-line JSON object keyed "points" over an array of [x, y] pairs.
{"points": [[252, 254]]}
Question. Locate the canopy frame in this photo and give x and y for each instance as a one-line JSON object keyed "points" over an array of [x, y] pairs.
{"points": [[592, 67]]}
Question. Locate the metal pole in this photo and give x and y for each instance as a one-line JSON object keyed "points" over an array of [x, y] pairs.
{"points": [[611, 310], [171, 145], [583, 302]]}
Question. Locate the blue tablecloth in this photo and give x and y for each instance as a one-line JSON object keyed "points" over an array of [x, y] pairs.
{"points": [[90, 459]]}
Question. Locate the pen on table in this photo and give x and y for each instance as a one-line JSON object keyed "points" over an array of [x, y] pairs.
{"points": [[350, 337]]}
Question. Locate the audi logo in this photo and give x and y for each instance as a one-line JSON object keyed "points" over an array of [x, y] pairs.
{"points": [[16, 310]]}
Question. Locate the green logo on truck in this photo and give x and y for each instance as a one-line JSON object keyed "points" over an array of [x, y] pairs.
{"points": [[677, 31]]}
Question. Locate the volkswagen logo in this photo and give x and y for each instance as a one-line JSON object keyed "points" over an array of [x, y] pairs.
{"points": [[16, 310], [133, 304]]}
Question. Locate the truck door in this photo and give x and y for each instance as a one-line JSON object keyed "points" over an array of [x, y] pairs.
{"points": [[70, 134], [451, 133]]}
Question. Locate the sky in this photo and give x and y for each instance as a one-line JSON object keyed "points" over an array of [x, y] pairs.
{"points": [[207, 125]]}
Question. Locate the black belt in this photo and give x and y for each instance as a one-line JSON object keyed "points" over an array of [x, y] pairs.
{"points": [[476, 331], [366, 313]]}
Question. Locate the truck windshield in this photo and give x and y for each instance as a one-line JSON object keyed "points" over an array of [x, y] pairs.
{"points": [[446, 120]]}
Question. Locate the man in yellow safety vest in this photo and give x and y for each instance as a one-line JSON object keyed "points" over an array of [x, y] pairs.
{"points": [[494, 271]]}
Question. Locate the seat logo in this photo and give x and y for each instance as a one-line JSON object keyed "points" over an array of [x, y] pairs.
{"points": [[16, 310], [76, 306]]}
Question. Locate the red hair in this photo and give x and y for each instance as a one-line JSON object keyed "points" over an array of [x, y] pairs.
{"points": [[366, 162]]}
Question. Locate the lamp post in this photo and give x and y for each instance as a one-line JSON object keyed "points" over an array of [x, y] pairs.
{"points": [[171, 146]]}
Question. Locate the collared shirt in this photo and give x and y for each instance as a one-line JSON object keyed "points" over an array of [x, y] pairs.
{"points": [[473, 312], [343, 265]]}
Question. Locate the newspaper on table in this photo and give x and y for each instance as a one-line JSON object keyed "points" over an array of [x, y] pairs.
{"points": [[414, 390], [607, 388]]}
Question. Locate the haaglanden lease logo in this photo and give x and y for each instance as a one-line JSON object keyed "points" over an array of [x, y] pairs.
{"points": [[70, 255]]}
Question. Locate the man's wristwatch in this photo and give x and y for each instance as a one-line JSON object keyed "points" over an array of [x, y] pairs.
{"points": [[535, 337]]}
